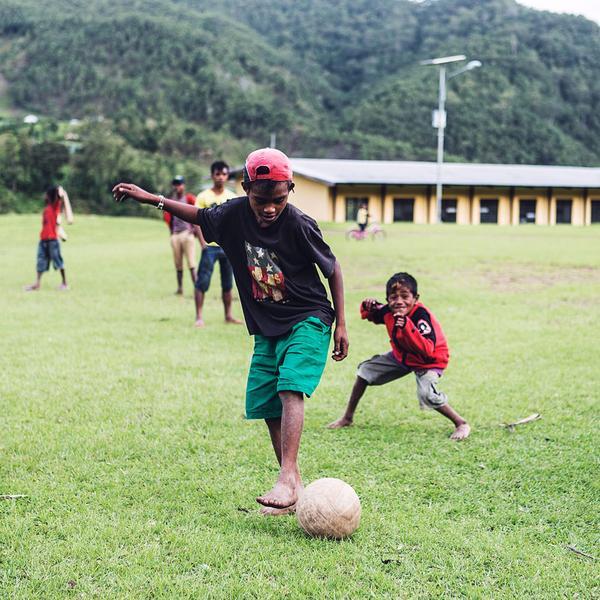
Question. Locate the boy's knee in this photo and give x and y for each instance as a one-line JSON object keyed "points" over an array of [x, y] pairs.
{"points": [[430, 396], [202, 282], [290, 396]]}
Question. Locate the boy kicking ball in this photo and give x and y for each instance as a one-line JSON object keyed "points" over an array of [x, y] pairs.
{"points": [[418, 345], [274, 250]]}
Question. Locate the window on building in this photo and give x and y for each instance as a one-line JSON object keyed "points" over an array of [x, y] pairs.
{"points": [[595, 211], [352, 206], [563, 210], [527, 211], [449, 211], [488, 210], [404, 209]]}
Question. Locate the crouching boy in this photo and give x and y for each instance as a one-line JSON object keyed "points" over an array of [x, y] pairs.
{"points": [[418, 346]]}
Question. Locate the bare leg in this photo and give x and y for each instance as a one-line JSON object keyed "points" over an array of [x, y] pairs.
{"points": [[199, 299], [63, 285], [227, 301], [179, 291], [360, 385], [274, 426], [193, 275], [289, 483], [462, 428], [36, 285]]}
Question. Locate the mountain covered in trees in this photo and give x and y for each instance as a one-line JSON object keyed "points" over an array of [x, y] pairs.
{"points": [[161, 85]]}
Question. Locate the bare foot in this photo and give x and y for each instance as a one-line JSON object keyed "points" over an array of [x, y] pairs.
{"points": [[32, 288], [461, 432], [233, 321], [63, 287], [179, 292], [283, 495], [269, 511], [341, 422], [199, 323]]}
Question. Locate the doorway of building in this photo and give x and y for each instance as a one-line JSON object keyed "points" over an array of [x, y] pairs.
{"points": [[563, 210], [595, 211], [527, 211], [488, 210], [449, 210], [404, 209]]}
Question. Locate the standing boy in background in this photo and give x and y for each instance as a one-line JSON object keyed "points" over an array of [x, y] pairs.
{"points": [[362, 216], [211, 252], [274, 249], [418, 345], [182, 235], [55, 200]]}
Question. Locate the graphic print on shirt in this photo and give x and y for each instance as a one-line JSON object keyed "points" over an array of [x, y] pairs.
{"points": [[424, 327], [268, 282]]}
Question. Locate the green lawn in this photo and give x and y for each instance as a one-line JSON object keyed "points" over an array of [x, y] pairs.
{"points": [[123, 427]]}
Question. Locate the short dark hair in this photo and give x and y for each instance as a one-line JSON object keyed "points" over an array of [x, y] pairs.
{"points": [[404, 279], [218, 165], [264, 185], [52, 193]]}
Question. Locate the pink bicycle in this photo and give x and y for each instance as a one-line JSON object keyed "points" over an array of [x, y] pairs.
{"points": [[374, 231]]}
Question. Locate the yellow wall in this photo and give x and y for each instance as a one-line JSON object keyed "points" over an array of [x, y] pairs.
{"points": [[312, 198], [462, 209], [578, 211]]}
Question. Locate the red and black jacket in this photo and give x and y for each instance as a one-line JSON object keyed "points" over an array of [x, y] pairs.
{"points": [[420, 344]]}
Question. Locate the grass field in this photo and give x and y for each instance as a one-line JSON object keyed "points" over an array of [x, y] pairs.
{"points": [[123, 427]]}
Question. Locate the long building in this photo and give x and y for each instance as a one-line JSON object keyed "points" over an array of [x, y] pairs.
{"points": [[331, 190]]}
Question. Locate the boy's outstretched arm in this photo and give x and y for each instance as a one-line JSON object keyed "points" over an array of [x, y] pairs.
{"points": [[183, 210], [372, 310], [340, 335]]}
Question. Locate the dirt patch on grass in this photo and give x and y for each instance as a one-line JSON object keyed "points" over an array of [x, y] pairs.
{"points": [[519, 278]]}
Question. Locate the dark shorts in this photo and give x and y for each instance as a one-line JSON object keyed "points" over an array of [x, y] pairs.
{"points": [[210, 255], [291, 362], [362, 226], [49, 250]]}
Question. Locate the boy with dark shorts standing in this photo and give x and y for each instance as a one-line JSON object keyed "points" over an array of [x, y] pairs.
{"points": [[49, 246], [211, 253], [274, 249], [418, 345]]}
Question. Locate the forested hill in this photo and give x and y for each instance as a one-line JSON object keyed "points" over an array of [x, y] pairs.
{"points": [[195, 79]]}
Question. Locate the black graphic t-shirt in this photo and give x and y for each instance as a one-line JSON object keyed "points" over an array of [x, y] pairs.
{"points": [[274, 267]]}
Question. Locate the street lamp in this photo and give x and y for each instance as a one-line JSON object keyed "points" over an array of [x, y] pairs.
{"points": [[439, 115]]}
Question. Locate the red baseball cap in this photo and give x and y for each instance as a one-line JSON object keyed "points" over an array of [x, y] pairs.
{"points": [[268, 163]]}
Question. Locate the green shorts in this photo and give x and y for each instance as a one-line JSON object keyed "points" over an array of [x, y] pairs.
{"points": [[290, 362]]}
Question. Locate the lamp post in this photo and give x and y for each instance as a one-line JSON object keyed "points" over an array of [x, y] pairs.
{"points": [[439, 116]]}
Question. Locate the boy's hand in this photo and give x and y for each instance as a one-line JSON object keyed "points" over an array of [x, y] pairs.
{"points": [[122, 191], [340, 341], [399, 320], [369, 304]]}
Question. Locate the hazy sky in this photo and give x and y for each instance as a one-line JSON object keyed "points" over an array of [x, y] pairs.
{"points": [[587, 8]]}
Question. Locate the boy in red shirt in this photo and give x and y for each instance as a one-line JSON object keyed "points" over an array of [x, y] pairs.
{"points": [[418, 345], [49, 246]]}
